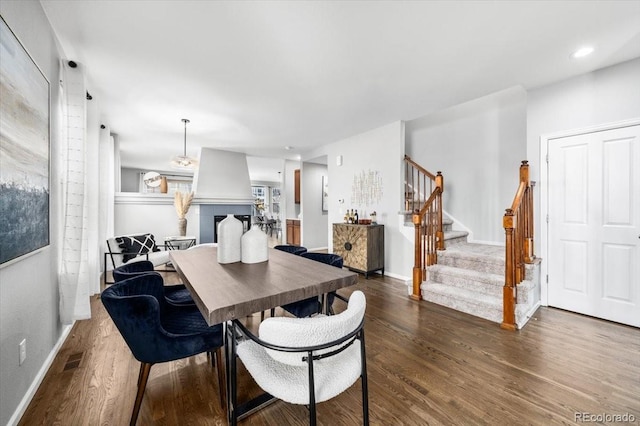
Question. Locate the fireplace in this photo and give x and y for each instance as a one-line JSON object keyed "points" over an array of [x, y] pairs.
{"points": [[244, 218], [212, 214]]}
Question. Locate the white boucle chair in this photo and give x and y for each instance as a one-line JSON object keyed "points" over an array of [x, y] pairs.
{"points": [[303, 360]]}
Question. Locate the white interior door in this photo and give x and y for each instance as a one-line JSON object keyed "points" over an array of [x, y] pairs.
{"points": [[594, 224]]}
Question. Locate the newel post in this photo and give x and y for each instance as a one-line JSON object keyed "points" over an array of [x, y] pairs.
{"points": [[440, 231], [508, 291], [524, 172], [417, 262]]}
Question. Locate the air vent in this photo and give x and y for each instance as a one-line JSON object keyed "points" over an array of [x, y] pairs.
{"points": [[73, 361]]}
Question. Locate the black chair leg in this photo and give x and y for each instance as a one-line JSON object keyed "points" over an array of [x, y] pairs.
{"points": [[230, 362], [222, 386], [145, 368], [365, 387], [312, 390]]}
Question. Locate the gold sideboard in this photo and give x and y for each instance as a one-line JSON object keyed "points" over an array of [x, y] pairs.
{"points": [[361, 246]]}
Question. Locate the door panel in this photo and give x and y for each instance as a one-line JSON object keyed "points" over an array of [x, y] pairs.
{"points": [[594, 224]]}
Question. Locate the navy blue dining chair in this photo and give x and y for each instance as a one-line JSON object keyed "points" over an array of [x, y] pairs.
{"points": [[313, 305], [157, 331], [175, 294], [291, 249]]}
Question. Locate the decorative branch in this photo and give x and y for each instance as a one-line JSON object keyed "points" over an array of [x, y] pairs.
{"points": [[182, 202]]}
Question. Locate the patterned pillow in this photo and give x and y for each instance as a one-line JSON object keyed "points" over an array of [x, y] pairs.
{"points": [[135, 245]]}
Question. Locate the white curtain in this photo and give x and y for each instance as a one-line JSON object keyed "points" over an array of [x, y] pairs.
{"points": [[79, 256]]}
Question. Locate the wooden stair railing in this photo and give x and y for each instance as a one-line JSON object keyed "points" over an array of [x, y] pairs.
{"points": [[423, 200], [518, 228]]}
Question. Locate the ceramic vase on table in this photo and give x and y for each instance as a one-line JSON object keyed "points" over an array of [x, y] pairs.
{"points": [[229, 240], [255, 246]]}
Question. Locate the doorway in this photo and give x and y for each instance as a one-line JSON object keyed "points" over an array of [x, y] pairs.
{"points": [[592, 223]]}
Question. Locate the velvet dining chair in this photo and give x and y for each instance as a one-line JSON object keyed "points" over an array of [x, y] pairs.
{"points": [[291, 249], [157, 331], [176, 294], [314, 305]]}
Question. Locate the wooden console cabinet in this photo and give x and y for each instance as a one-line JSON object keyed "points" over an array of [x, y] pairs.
{"points": [[293, 232], [361, 246]]}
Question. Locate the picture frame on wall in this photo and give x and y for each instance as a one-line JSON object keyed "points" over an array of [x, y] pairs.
{"points": [[325, 193], [24, 151]]}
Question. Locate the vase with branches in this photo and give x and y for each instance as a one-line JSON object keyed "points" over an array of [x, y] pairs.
{"points": [[182, 202]]}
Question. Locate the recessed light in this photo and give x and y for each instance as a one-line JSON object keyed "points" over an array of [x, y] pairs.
{"points": [[582, 52], [288, 148]]}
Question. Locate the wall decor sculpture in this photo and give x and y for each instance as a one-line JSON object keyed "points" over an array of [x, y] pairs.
{"points": [[24, 150], [366, 188]]}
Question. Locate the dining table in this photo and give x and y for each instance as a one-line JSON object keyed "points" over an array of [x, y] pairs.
{"points": [[225, 292], [231, 291]]}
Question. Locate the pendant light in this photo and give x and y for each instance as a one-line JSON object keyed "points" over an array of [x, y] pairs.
{"points": [[182, 161]]}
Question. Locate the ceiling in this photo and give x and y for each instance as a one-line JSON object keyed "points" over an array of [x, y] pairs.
{"points": [[256, 77]]}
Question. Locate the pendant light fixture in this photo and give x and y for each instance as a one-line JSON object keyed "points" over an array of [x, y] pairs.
{"points": [[182, 161]]}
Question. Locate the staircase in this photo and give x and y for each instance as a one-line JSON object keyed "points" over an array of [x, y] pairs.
{"points": [[470, 278], [498, 283]]}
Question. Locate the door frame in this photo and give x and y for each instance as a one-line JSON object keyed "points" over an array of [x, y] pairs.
{"points": [[544, 191]]}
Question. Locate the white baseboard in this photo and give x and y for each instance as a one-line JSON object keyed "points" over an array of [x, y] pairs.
{"points": [[529, 315], [37, 381], [392, 275]]}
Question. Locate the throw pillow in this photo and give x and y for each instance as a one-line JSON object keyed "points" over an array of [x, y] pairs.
{"points": [[135, 245]]}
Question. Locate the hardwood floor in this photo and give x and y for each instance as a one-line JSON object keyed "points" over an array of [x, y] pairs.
{"points": [[426, 365]]}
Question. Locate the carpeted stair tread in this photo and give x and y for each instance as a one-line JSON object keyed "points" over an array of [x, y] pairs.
{"points": [[481, 282], [486, 252], [473, 303]]}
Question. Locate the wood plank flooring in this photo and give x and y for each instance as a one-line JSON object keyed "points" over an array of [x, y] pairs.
{"points": [[427, 365]]}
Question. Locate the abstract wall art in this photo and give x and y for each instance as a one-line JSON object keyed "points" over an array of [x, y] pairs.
{"points": [[24, 151]]}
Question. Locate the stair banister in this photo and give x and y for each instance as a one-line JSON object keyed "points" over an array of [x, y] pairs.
{"points": [[426, 218], [518, 227]]}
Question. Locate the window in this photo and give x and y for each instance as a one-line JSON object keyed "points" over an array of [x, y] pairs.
{"points": [[174, 183]]}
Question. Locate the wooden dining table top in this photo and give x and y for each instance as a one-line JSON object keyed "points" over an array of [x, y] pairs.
{"points": [[225, 292]]}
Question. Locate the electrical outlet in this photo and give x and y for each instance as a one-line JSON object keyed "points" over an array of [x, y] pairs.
{"points": [[23, 350]]}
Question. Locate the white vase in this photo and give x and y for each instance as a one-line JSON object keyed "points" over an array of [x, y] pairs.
{"points": [[255, 246], [229, 235]]}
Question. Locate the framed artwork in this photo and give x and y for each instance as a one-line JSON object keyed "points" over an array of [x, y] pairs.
{"points": [[325, 193], [24, 151]]}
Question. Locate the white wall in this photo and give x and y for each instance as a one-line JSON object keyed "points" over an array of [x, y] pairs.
{"points": [[314, 221], [382, 150], [478, 146], [153, 213], [28, 287], [605, 96]]}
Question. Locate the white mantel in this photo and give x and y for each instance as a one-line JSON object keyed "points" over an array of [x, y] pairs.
{"points": [[156, 198]]}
